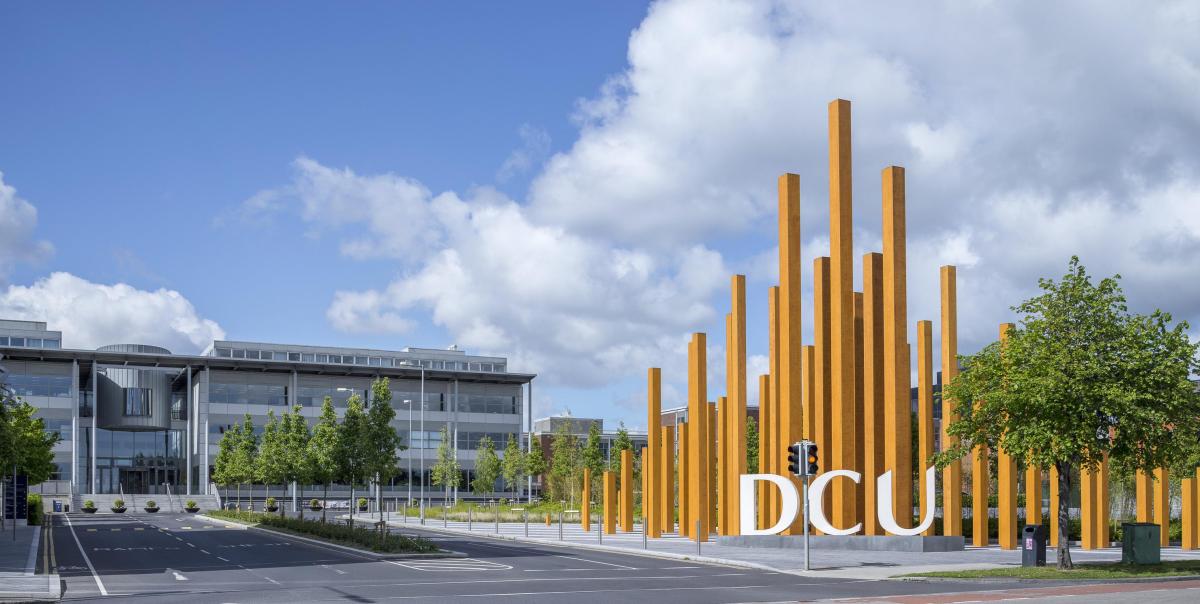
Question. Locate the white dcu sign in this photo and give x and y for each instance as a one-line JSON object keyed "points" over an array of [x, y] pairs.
{"points": [[816, 491]]}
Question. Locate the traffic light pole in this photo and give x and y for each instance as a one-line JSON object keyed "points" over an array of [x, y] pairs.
{"points": [[805, 495]]}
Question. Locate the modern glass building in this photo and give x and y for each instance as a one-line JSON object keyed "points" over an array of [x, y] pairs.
{"points": [[139, 419]]}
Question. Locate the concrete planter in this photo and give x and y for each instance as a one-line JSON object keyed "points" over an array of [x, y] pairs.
{"points": [[118, 510]]}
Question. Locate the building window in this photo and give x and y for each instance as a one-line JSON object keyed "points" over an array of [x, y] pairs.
{"points": [[3, 340], [307, 357], [50, 343], [239, 354], [224, 352], [139, 402], [322, 358], [18, 341], [293, 356]]}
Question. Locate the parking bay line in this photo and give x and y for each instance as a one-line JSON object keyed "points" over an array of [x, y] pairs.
{"points": [[95, 575], [595, 562]]}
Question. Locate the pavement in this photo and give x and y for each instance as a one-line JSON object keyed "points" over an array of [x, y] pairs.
{"points": [[824, 563], [183, 559], [24, 565]]}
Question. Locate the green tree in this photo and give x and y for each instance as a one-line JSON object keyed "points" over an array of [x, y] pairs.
{"points": [[593, 457], [25, 446], [513, 467], [535, 462], [382, 440], [1078, 379], [270, 465], [751, 445], [246, 452], [621, 443], [352, 447], [295, 437], [565, 465], [224, 472], [322, 450], [446, 472], [487, 467]]}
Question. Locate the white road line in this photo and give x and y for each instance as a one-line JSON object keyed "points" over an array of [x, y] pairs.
{"points": [[204, 552], [222, 559], [336, 570], [596, 562], [190, 544], [272, 580], [179, 577], [95, 575]]}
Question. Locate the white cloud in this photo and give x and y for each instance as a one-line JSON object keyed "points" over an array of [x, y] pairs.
{"points": [[18, 219], [92, 314], [535, 145]]}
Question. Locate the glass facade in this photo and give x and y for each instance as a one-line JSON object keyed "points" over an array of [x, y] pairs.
{"points": [[139, 402], [136, 462], [366, 360], [39, 385]]}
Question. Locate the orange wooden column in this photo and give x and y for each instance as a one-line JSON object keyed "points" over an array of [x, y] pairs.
{"points": [[712, 465], [952, 474], [776, 447], [1162, 505], [897, 422], [1188, 517], [1142, 496], [1006, 484], [924, 410], [686, 527], [822, 377], [860, 432], [645, 480], [1103, 537], [666, 479], [979, 496], [1087, 508], [843, 424], [873, 384], [733, 462], [698, 438], [585, 507], [764, 451], [1053, 506], [788, 310], [1033, 495], [652, 458], [609, 509], [721, 427]]}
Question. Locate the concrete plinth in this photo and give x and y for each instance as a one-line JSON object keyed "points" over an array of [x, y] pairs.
{"points": [[850, 542]]}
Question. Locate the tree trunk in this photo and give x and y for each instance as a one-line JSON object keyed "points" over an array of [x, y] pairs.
{"points": [[299, 499], [1064, 516], [353, 504], [324, 503], [239, 497]]}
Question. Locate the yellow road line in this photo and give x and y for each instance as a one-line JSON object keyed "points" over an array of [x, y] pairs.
{"points": [[46, 550], [115, 530]]}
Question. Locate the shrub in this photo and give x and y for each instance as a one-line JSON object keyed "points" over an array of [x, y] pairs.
{"points": [[89, 504], [362, 502], [339, 533], [270, 502], [313, 503], [119, 503], [150, 503], [191, 504], [33, 503]]}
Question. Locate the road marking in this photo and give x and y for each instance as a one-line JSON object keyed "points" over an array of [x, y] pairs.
{"points": [[596, 562], [117, 530], [191, 545], [451, 564], [179, 539], [186, 528], [204, 552], [336, 570], [272, 580], [138, 528], [222, 559], [91, 530], [179, 577], [95, 575]]}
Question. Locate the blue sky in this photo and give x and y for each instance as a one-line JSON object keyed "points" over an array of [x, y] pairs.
{"points": [[571, 184]]}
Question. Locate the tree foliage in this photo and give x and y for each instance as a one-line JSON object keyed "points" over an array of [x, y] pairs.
{"points": [[487, 467], [1078, 380], [352, 442], [752, 445], [382, 441], [565, 465], [513, 466], [24, 442], [593, 457], [446, 472]]}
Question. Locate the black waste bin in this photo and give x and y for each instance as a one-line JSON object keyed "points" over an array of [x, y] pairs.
{"points": [[1033, 545]]}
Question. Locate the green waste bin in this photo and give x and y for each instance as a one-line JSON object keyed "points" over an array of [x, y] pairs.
{"points": [[1140, 543]]}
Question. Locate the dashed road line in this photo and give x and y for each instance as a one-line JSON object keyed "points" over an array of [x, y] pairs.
{"points": [[204, 552], [595, 562]]}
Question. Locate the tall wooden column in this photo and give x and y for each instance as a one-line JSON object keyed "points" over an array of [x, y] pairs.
{"points": [[823, 377], [585, 507], [651, 463], [1033, 495], [1103, 536], [873, 385], [712, 465], [789, 318], [720, 427], [765, 519], [609, 508], [777, 445], [951, 474], [698, 436], [646, 488], [1162, 505], [924, 410], [979, 496], [859, 401], [1087, 508], [897, 422], [1053, 506], [843, 422], [1006, 484], [686, 524], [1142, 495], [666, 479], [733, 446], [1188, 516]]}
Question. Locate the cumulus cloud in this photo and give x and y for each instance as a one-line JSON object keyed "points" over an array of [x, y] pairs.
{"points": [[1029, 131], [18, 219], [92, 314]]}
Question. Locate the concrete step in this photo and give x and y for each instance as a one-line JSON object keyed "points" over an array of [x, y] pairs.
{"points": [[166, 503]]}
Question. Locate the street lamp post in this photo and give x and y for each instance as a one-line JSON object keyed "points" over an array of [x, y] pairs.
{"points": [[408, 402]]}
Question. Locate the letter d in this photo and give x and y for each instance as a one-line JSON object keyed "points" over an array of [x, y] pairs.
{"points": [[749, 503]]}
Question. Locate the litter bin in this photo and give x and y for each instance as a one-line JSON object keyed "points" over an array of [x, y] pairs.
{"points": [[1033, 545], [58, 506], [1140, 543]]}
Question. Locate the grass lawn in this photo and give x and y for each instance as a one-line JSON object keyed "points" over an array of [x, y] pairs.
{"points": [[1175, 568]]}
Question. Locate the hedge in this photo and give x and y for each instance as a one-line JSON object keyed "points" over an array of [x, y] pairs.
{"points": [[336, 532]]}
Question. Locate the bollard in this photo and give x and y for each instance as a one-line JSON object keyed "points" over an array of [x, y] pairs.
{"points": [[645, 543], [697, 537], [445, 516], [600, 532], [497, 518], [470, 519], [526, 514], [547, 518], [560, 534]]}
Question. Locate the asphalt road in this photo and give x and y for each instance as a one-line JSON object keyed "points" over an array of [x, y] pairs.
{"points": [[158, 557]]}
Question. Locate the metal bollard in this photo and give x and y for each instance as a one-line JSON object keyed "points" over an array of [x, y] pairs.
{"points": [[526, 523], [497, 519], [645, 543], [560, 533], [422, 512], [470, 519], [445, 516], [600, 530], [697, 537]]}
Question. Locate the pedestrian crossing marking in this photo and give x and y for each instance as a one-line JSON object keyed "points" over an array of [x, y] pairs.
{"points": [[451, 565]]}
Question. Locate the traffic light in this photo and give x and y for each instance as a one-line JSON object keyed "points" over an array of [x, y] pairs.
{"points": [[795, 455], [811, 467]]}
